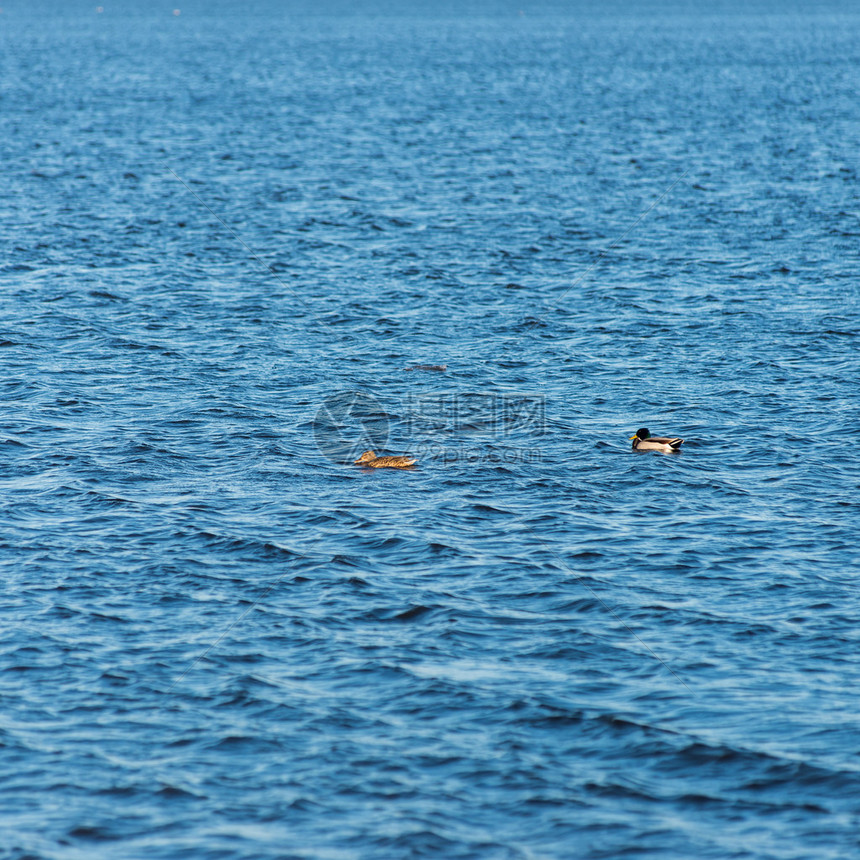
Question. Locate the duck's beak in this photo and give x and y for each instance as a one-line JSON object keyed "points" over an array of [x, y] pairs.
{"points": [[632, 437]]}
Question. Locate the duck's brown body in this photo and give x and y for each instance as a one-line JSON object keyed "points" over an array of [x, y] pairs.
{"points": [[369, 459]]}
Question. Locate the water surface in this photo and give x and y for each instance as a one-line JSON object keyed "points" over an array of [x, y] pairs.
{"points": [[229, 239]]}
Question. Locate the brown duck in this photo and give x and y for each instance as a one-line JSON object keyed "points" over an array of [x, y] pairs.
{"points": [[369, 459]]}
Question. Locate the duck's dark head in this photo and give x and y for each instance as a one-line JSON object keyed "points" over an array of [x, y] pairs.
{"points": [[642, 433]]}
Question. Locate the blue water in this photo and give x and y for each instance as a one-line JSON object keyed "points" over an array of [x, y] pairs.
{"points": [[242, 244]]}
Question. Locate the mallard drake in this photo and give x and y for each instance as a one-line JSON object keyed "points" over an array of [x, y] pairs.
{"points": [[369, 459], [644, 441]]}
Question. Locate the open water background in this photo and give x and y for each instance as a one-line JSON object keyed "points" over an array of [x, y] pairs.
{"points": [[225, 236]]}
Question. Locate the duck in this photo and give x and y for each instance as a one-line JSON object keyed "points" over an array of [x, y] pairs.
{"points": [[644, 441], [369, 459]]}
